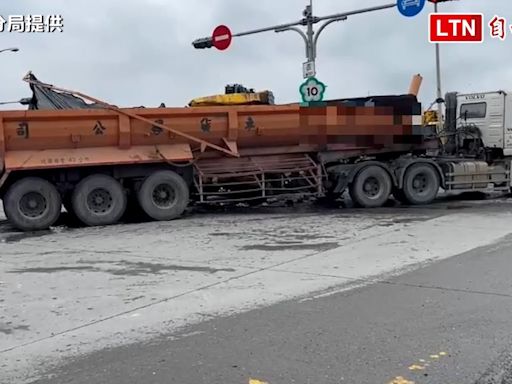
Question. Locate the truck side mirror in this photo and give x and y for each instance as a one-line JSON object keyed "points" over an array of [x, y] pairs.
{"points": [[465, 115]]}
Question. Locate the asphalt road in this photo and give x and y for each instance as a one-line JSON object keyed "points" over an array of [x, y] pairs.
{"points": [[283, 295], [449, 322]]}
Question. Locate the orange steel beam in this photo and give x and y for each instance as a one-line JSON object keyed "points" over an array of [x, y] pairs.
{"points": [[204, 144], [415, 86]]}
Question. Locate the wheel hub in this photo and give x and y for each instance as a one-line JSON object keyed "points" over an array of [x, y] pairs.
{"points": [[371, 187], [33, 204], [164, 196], [99, 200], [419, 183]]}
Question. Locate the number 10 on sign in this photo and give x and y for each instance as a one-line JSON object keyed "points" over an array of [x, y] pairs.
{"points": [[312, 90]]}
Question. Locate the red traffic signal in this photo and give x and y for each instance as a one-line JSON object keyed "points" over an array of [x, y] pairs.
{"points": [[439, 1], [205, 42]]}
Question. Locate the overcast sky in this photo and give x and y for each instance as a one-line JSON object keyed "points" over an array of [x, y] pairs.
{"points": [[133, 53]]}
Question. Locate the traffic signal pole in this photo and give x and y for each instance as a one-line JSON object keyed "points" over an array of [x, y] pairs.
{"points": [[440, 118], [440, 99], [310, 37]]}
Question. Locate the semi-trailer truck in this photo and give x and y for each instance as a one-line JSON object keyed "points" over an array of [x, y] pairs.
{"points": [[92, 158]]}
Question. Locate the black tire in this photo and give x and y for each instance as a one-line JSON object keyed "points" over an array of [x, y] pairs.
{"points": [[371, 187], [99, 200], [32, 204], [163, 195], [421, 184]]}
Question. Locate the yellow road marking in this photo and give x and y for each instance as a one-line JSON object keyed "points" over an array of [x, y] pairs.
{"points": [[254, 381], [400, 380], [421, 365]]}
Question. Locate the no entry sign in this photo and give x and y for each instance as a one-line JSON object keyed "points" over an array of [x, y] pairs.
{"points": [[222, 37]]}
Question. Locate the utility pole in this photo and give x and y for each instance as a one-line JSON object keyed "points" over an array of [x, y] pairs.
{"points": [[310, 37], [440, 118], [440, 99]]}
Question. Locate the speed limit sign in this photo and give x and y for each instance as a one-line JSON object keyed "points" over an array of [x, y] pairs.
{"points": [[312, 90]]}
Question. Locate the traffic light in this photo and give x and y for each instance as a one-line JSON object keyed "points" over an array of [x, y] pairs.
{"points": [[205, 42]]}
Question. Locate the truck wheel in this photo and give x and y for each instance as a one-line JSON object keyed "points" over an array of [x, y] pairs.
{"points": [[163, 195], [99, 200], [371, 187], [421, 184], [32, 204]]}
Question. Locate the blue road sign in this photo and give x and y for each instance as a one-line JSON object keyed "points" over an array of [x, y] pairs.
{"points": [[411, 8]]}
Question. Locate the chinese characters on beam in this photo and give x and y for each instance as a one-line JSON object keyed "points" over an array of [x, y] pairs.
{"points": [[31, 23], [498, 27]]}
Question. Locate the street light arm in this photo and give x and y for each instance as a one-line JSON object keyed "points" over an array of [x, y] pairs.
{"points": [[282, 27], [299, 31], [9, 50], [277, 28], [342, 18], [309, 20], [372, 9], [338, 16]]}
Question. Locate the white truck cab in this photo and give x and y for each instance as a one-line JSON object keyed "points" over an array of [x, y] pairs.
{"points": [[491, 112]]}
